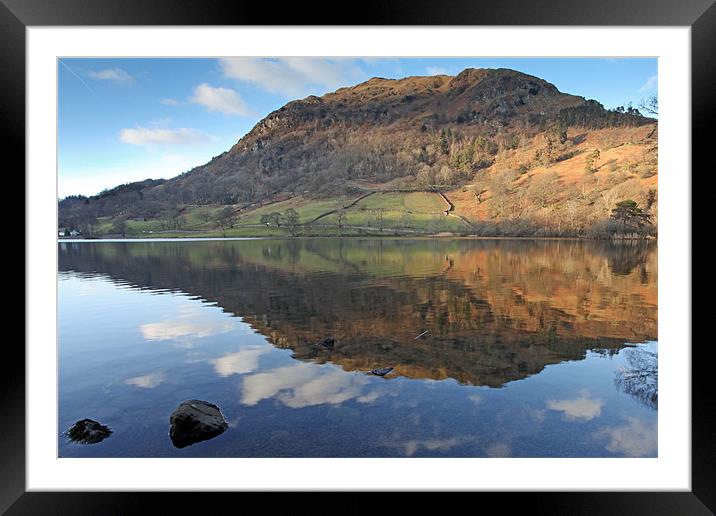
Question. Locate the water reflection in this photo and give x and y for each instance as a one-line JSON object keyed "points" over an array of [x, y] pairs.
{"points": [[186, 327], [499, 348], [304, 385], [147, 381], [640, 379], [582, 408], [494, 311], [241, 362], [635, 438]]}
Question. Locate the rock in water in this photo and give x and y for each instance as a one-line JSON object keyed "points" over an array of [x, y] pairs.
{"points": [[381, 372], [328, 342], [88, 431], [194, 421]]}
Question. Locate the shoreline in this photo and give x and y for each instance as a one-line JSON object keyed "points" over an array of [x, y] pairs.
{"points": [[365, 237]]}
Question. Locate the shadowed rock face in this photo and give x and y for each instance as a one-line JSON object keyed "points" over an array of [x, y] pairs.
{"points": [[194, 421], [494, 311], [88, 431]]}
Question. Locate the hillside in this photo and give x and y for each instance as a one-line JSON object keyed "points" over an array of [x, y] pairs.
{"points": [[486, 152]]}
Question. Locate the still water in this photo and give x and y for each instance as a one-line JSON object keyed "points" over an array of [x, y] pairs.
{"points": [[533, 348]]}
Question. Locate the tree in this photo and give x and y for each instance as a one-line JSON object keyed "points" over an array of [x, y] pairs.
{"points": [[378, 217], [631, 218], [275, 218], [119, 225], [226, 218], [591, 161], [341, 215], [558, 132], [292, 219], [650, 105], [443, 143], [641, 378]]}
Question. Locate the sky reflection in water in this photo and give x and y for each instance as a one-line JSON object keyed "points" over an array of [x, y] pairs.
{"points": [[533, 349]]}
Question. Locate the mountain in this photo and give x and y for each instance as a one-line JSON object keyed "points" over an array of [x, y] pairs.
{"points": [[484, 130]]}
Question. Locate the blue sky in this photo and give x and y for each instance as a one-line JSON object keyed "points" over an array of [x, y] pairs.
{"points": [[123, 120]]}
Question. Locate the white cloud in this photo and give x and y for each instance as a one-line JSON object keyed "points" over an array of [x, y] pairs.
{"points": [[634, 439], [436, 70], [305, 385], [169, 102], [293, 76], [159, 136], [650, 84], [581, 408], [241, 362], [223, 100], [116, 75], [148, 381]]}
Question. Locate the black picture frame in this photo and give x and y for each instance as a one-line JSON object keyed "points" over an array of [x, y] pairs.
{"points": [[16, 15]]}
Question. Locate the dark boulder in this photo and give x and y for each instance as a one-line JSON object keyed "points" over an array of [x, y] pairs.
{"points": [[327, 342], [194, 421], [87, 431]]}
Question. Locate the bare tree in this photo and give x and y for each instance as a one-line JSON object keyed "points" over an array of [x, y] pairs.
{"points": [[378, 217], [341, 214], [641, 379], [650, 105]]}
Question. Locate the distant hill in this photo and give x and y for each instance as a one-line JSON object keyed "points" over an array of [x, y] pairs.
{"points": [[502, 145]]}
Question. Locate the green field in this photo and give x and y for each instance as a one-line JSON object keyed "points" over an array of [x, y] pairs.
{"points": [[380, 213]]}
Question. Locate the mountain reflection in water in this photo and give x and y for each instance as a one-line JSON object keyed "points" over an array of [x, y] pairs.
{"points": [[494, 311], [498, 347]]}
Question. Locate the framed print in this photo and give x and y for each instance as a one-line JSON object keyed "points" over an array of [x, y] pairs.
{"points": [[418, 252]]}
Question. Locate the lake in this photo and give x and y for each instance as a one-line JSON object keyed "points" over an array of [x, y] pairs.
{"points": [[499, 348]]}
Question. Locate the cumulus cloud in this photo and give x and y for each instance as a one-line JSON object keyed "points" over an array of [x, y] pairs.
{"points": [[145, 136], [241, 362], [634, 439], [436, 70], [223, 100], [649, 84], [147, 381], [116, 75], [293, 76], [305, 385], [581, 408]]}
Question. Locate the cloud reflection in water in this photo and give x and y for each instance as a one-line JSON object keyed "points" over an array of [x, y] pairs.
{"points": [[306, 384]]}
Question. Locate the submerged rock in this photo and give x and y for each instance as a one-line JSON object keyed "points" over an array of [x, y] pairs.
{"points": [[381, 372], [194, 421], [88, 431]]}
